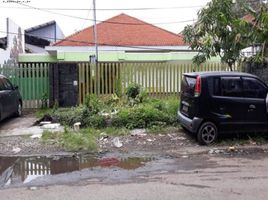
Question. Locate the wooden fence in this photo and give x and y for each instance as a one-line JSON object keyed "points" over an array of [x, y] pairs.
{"points": [[32, 80], [158, 79]]}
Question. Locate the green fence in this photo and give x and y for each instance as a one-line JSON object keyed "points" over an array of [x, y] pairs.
{"points": [[158, 79], [32, 80]]}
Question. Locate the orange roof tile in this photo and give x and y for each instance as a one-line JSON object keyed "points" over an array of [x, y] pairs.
{"points": [[123, 30]]}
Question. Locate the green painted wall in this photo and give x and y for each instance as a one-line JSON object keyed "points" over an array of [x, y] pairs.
{"points": [[109, 57]]}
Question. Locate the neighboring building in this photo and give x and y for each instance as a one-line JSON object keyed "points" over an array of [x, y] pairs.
{"points": [[32, 40], [37, 37], [12, 44], [121, 38]]}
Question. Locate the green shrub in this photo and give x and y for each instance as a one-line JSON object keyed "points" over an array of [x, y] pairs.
{"points": [[141, 116], [94, 121], [133, 90], [68, 116], [93, 103]]}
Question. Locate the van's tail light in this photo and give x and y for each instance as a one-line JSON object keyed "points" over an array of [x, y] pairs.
{"points": [[197, 89]]}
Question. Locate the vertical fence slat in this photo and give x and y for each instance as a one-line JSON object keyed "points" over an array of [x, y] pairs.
{"points": [[87, 79]]}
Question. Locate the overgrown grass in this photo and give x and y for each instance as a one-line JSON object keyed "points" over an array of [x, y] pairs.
{"points": [[72, 141], [111, 116], [85, 139]]}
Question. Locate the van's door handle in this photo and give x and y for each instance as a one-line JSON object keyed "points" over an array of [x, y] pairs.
{"points": [[252, 106], [222, 108]]}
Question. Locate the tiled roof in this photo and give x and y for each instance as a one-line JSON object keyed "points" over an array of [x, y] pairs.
{"points": [[123, 30]]}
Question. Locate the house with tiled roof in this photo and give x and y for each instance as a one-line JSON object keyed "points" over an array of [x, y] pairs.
{"points": [[120, 38], [129, 50]]}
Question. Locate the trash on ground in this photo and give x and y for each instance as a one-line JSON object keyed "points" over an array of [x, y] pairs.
{"points": [[16, 150], [138, 132], [33, 188], [38, 136], [215, 151], [45, 122], [232, 148], [117, 143], [51, 126], [77, 126]]}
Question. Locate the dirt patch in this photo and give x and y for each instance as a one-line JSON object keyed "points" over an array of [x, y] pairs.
{"points": [[148, 142], [24, 145]]}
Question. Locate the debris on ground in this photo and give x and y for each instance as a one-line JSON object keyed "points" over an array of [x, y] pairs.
{"points": [[103, 138], [33, 188], [16, 150], [77, 126], [138, 132], [51, 126], [117, 143], [36, 136], [44, 122], [45, 118], [232, 148], [215, 151]]}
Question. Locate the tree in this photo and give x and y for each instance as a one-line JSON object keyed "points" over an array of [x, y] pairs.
{"points": [[219, 31], [242, 5], [259, 30]]}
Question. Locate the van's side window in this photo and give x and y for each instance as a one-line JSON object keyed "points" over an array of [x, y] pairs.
{"points": [[253, 88], [231, 87]]}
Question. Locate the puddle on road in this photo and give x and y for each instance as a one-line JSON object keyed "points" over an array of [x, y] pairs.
{"points": [[22, 170]]}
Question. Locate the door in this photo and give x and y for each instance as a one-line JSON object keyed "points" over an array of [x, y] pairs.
{"points": [[68, 87], [228, 104], [255, 96]]}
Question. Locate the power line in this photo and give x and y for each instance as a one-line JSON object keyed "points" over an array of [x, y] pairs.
{"points": [[109, 22], [111, 9], [100, 44]]}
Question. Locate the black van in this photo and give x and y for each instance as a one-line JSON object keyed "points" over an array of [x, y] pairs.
{"points": [[222, 102]]}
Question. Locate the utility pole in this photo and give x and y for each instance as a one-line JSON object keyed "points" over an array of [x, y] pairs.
{"points": [[95, 31]]}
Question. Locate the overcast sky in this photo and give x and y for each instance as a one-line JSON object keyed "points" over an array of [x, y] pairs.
{"points": [[27, 18]]}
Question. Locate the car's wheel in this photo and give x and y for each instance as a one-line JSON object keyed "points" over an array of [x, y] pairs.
{"points": [[19, 110], [207, 133]]}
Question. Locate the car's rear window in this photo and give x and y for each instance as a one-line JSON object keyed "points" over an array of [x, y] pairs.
{"points": [[188, 85]]}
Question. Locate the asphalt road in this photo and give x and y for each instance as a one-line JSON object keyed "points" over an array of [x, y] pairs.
{"points": [[204, 177]]}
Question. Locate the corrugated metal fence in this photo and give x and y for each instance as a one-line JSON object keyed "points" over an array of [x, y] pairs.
{"points": [[32, 80]]}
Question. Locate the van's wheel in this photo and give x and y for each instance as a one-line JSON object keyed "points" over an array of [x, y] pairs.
{"points": [[207, 133], [19, 110]]}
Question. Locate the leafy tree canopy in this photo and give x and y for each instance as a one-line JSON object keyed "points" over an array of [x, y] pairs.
{"points": [[220, 31]]}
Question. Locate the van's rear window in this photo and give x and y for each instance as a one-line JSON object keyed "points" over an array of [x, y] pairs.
{"points": [[188, 84]]}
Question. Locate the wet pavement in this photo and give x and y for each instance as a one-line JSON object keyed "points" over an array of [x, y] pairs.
{"points": [[109, 168], [138, 175]]}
